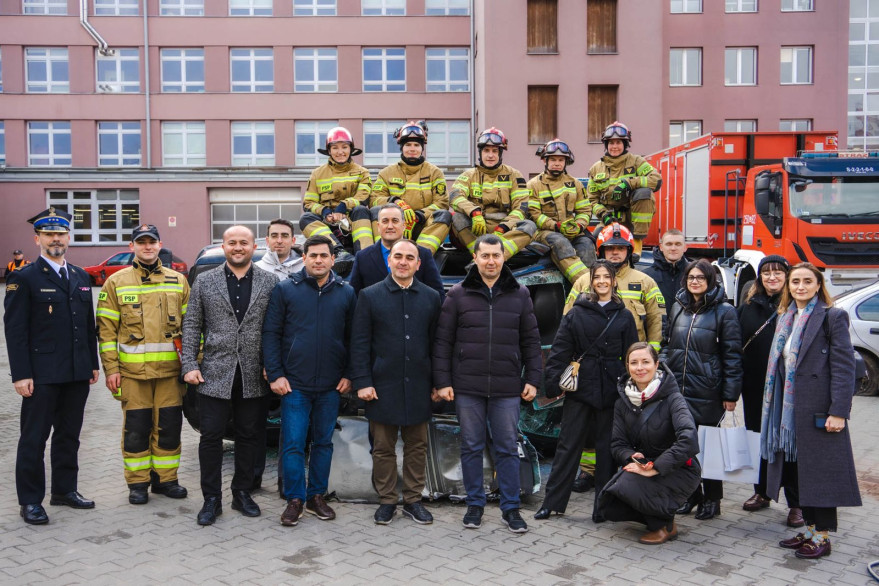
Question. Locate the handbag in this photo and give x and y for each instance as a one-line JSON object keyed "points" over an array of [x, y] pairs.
{"points": [[570, 377]]}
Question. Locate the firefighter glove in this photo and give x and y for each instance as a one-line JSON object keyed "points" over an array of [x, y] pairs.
{"points": [[621, 190], [606, 217], [477, 223], [501, 229], [408, 212], [570, 228]]}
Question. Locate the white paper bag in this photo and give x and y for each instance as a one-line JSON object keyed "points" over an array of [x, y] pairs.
{"points": [[712, 459]]}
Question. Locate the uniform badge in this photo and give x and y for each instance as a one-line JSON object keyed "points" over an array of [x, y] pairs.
{"points": [[324, 188], [601, 176], [503, 177], [50, 310], [397, 180], [629, 171], [102, 296], [129, 298], [441, 189], [569, 184], [520, 181], [11, 288], [634, 286]]}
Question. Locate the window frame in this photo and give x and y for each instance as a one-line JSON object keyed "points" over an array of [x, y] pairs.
{"points": [[447, 59], [118, 59], [315, 8], [316, 130], [445, 8], [390, 151], [93, 236], [739, 123], [685, 51], [253, 130], [52, 55], [292, 212], [738, 7], [795, 49], [384, 84], [684, 134], [385, 8], [739, 53], [441, 134], [251, 85], [52, 158], [181, 8], [793, 7], [314, 57], [187, 55], [119, 129], [793, 123], [188, 129], [250, 8], [683, 5], [44, 7], [116, 7]]}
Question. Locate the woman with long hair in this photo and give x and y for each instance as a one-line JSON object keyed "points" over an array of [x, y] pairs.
{"points": [[806, 402], [703, 349], [597, 331]]}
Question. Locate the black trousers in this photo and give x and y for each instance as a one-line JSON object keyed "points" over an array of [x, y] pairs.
{"points": [[823, 518], [617, 510], [788, 481], [249, 421], [709, 490], [57, 410], [578, 419]]}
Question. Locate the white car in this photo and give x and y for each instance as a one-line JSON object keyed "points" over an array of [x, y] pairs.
{"points": [[862, 305]]}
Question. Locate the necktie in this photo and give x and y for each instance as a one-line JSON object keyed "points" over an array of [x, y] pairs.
{"points": [[63, 272]]}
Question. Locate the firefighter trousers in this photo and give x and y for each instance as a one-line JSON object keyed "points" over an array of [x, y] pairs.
{"points": [[636, 214], [572, 257], [153, 415], [513, 240], [430, 234], [361, 228]]}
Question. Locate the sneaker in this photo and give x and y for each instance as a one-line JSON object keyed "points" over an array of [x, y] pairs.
{"points": [[384, 514], [418, 513], [514, 521], [473, 517], [291, 515], [318, 507]]}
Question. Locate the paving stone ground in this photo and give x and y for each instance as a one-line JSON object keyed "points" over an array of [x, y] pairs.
{"points": [[160, 543]]}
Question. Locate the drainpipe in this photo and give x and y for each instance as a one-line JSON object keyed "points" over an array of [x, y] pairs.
{"points": [[473, 129], [103, 48], [146, 74]]}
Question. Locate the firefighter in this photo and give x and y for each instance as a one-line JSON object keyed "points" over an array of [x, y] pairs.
{"points": [[621, 185], [337, 197], [418, 187], [491, 197], [140, 314], [561, 209]]}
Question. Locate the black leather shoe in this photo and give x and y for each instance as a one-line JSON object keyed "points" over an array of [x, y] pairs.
{"points": [[242, 501], [34, 514], [212, 509], [584, 482], [542, 513], [73, 500], [171, 490], [687, 507], [708, 510], [138, 495]]}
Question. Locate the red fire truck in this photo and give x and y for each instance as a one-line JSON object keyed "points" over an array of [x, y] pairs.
{"points": [[739, 196]]}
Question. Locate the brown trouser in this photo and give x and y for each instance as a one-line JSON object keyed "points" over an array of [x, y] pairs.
{"points": [[384, 461]]}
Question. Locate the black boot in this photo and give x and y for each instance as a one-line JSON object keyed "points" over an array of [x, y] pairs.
{"points": [[708, 510], [137, 493]]}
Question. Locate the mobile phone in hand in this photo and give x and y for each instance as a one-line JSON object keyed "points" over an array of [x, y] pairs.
{"points": [[640, 461]]}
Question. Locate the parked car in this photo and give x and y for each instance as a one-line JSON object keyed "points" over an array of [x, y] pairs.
{"points": [[862, 305], [121, 260], [212, 255]]}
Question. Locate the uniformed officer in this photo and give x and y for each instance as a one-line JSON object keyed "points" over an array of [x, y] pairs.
{"points": [[18, 261], [50, 336], [140, 315]]}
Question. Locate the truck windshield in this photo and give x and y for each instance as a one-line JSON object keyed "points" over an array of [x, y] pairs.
{"points": [[835, 197]]}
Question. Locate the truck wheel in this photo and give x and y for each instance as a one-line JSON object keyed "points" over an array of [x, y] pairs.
{"points": [[870, 385], [744, 291]]}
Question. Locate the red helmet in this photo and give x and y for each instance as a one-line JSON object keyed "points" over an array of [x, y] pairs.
{"points": [[491, 136], [339, 134], [617, 130], [615, 235], [556, 147], [412, 131]]}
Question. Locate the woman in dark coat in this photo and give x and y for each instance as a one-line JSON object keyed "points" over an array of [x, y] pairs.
{"points": [[654, 439], [807, 400], [599, 328], [704, 351], [757, 316]]}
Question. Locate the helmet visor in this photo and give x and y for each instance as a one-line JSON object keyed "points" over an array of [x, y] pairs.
{"points": [[491, 138], [556, 147], [616, 131], [412, 131]]}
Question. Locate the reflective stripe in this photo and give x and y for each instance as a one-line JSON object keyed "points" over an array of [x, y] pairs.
{"points": [[137, 463], [655, 345], [338, 179], [641, 217], [587, 458], [520, 193], [107, 347], [510, 246], [150, 288], [645, 169], [429, 241], [148, 357], [166, 461], [630, 294], [517, 214], [575, 268], [321, 230], [148, 347], [183, 308], [108, 313], [655, 292], [457, 202], [359, 233]]}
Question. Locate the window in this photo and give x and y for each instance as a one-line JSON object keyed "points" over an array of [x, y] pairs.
{"points": [[314, 7], [685, 6], [447, 7], [739, 125], [2, 143], [797, 5], [450, 143], [182, 70], [119, 144], [256, 215], [685, 67], [384, 70], [542, 113], [602, 104], [253, 144], [120, 72], [310, 136], [250, 7], [253, 70], [741, 5], [181, 8], [383, 7], [183, 144], [105, 216], [795, 125], [316, 70], [682, 131], [448, 70], [379, 145], [116, 7], [741, 66], [48, 144], [44, 7], [47, 70], [796, 65], [601, 27], [543, 23]]}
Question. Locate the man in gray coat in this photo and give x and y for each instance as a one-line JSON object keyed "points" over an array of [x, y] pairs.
{"points": [[226, 309], [393, 328]]}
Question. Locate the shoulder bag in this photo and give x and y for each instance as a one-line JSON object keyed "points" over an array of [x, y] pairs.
{"points": [[570, 377]]}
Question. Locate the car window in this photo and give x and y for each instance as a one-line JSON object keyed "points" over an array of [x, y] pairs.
{"points": [[869, 309], [123, 258]]}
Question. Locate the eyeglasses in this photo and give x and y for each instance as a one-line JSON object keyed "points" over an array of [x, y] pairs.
{"points": [[696, 278]]}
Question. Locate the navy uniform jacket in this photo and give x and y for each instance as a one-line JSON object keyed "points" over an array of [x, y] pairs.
{"points": [[50, 326], [370, 268]]}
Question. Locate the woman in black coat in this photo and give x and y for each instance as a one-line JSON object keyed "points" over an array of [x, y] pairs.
{"points": [[600, 329], [654, 439], [704, 351], [757, 316], [807, 400]]}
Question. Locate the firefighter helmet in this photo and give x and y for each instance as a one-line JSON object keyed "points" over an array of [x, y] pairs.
{"points": [[339, 134], [615, 235], [556, 147], [412, 131], [617, 130], [491, 136]]}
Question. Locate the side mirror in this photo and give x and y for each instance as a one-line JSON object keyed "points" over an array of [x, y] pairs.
{"points": [[800, 185], [761, 194]]}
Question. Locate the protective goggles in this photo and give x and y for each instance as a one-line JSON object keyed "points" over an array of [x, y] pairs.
{"points": [[412, 131], [557, 147], [616, 132], [491, 138]]}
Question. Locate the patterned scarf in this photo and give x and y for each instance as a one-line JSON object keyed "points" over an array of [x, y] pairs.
{"points": [[777, 431], [637, 396]]}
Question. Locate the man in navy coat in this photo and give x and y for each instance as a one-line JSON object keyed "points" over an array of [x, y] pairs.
{"points": [[371, 263], [50, 336]]}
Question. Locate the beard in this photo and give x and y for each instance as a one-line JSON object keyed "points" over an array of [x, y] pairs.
{"points": [[55, 250]]}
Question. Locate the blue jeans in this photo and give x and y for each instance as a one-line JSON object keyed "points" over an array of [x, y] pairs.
{"points": [[298, 409], [476, 415]]}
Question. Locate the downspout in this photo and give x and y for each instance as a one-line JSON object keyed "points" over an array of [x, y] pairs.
{"points": [[103, 48], [473, 130], [146, 75]]}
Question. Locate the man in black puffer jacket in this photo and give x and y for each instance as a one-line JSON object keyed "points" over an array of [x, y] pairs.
{"points": [[668, 265], [486, 334]]}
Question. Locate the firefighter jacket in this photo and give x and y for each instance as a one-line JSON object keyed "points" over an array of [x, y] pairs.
{"points": [[139, 315], [330, 185], [501, 194], [557, 199], [421, 186], [642, 297], [609, 172]]}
